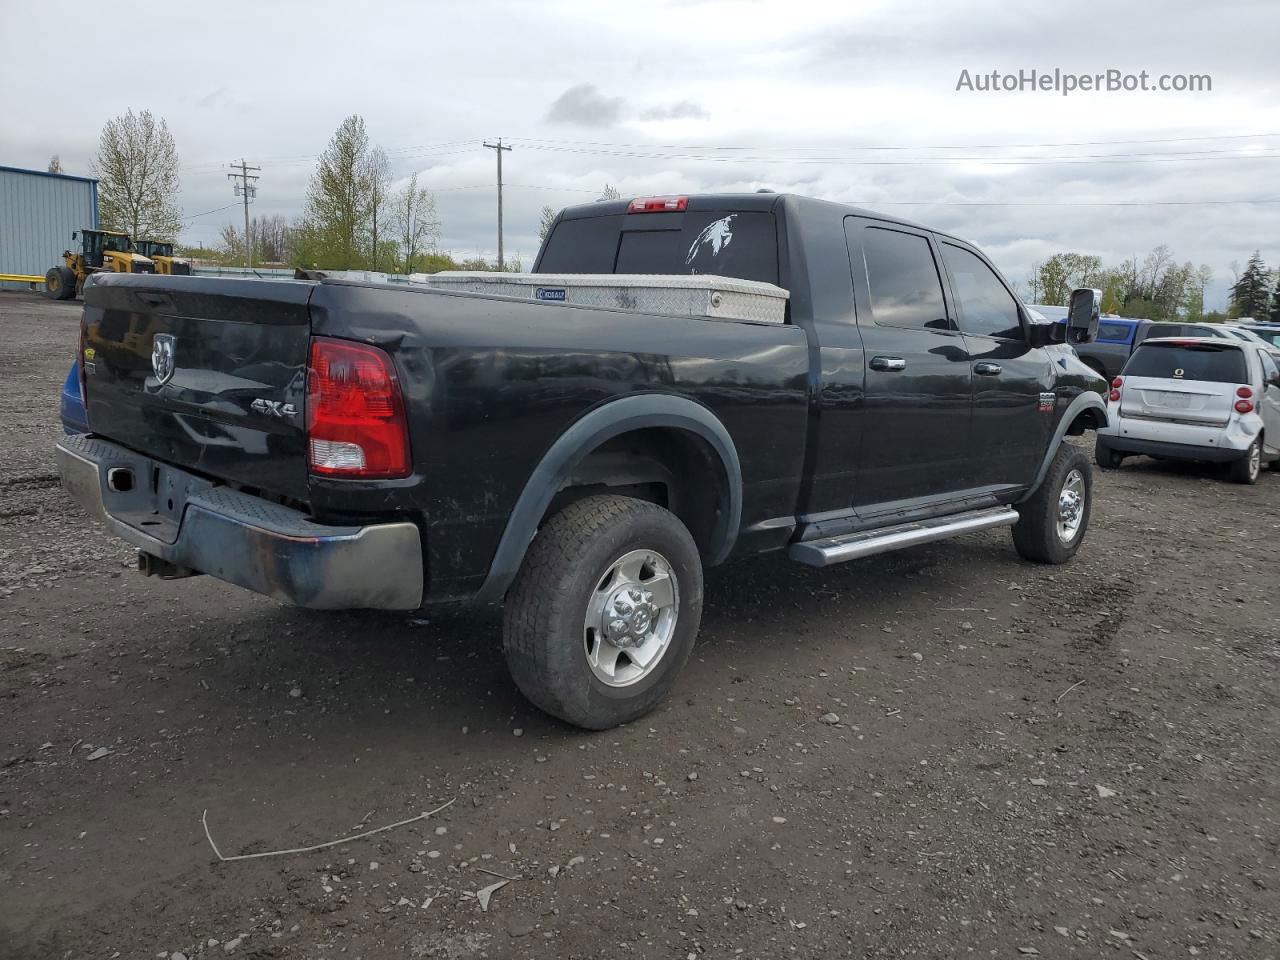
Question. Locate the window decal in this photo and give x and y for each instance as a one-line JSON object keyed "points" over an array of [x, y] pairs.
{"points": [[717, 235]]}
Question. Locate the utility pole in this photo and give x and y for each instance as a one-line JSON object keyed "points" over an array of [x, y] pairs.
{"points": [[247, 190], [499, 148]]}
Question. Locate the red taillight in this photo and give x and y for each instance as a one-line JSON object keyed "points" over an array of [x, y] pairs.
{"points": [[355, 415], [657, 204], [1115, 396], [1244, 393], [1117, 383], [1244, 406]]}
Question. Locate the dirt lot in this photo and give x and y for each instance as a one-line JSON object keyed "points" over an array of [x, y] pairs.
{"points": [[1075, 761]]}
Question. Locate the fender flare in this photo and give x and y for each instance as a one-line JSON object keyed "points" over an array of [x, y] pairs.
{"points": [[635, 412], [1088, 400]]}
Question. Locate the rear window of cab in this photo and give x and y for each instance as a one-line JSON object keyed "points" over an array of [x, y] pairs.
{"points": [[1210, 362], [739, 244], [1114, 332]]}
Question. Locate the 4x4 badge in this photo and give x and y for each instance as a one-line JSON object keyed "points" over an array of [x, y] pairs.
{"points": [[274, 408]]}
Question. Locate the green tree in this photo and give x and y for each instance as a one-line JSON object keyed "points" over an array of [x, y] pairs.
{"points": [[1251, 294], [1064, 272], [1275, 301], [548, 218], [137, 170], [337, 209], [377, 175]]}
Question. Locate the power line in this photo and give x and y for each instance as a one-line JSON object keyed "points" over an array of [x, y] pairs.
{"points": [[927, 162], [215, 210], [1051, 203], [965, 146]]}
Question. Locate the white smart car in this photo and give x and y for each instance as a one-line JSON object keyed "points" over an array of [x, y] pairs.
{"points": [[1197, 398]]}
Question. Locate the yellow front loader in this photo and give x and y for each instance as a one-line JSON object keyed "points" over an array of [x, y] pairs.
{"points": [[100, 250], [160, 253]]}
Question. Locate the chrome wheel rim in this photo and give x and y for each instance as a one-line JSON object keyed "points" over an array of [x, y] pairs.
{"points": [[631, 618], [1071, 506], [1255, 459]]}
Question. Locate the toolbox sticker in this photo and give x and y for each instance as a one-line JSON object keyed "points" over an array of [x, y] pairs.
{"points": [[550, 293]]}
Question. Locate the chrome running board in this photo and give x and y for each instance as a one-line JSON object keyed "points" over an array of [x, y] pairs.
{"points": [[866, 543]]}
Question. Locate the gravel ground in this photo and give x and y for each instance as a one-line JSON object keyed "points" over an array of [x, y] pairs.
{"points": [[1023, 760]]}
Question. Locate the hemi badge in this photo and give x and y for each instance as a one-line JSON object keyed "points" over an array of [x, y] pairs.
{"points": [[1047, 401]]}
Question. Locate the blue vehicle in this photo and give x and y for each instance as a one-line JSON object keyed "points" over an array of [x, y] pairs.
{"points": [[71, 408]]}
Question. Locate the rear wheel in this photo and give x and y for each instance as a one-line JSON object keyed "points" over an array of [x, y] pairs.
{"points": [[1248, 468], [59, 284], [604, 611], [1053, 522], [1105, 457]]}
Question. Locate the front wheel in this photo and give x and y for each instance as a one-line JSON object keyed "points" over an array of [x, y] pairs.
{"points": [[1249, 467], [604, 611], [1052, 523], [59, 283]]}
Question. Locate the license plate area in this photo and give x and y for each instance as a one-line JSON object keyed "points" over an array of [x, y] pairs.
{"points": [[147, 495], [1174, 401]]}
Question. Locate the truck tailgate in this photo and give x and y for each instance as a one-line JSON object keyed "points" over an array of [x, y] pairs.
{"points": [[208, 374]]}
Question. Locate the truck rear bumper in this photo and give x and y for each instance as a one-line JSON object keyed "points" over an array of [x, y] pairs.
{"points": [[243, 539]]}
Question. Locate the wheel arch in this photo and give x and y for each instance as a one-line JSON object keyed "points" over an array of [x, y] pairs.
{"points": [[682, 420], [1086, 412]]}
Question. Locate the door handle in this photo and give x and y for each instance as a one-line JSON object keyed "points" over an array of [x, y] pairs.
{"points": [[987, 369], [889, 364]]}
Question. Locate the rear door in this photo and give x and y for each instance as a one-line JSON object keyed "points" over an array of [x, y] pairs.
{"points": [[1184, 381], [205, 374], [1013, 398], [915, 433]]}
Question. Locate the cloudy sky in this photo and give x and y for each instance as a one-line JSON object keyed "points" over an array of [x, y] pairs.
{"points": [[852, 102]]}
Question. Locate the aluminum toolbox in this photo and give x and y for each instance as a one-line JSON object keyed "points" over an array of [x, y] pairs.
{"points": [[700, 296]]}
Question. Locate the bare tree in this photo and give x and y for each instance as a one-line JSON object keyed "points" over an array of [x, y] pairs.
{"points": [[137, 169], [610, 192], [271, 237], [55, 164], [548, 220], [414, 213], [378, 181]]}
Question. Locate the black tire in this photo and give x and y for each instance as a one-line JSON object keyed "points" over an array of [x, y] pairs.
{"points": [[1249, 467], [1036, 535], [1275, 465], [1105, 457], [545, 632], [59, 284]]}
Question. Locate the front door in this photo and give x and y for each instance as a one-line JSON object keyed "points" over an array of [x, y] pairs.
{"points": [[915, 435], [1013, 398]]}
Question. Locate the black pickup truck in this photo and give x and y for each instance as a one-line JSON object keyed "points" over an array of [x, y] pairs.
{"points": [[341, 444]]}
